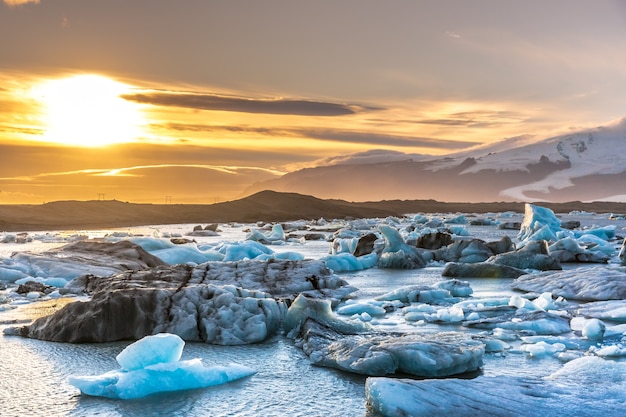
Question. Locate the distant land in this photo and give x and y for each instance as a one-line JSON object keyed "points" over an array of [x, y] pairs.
{"points": [[269, 206], [584, 165]]}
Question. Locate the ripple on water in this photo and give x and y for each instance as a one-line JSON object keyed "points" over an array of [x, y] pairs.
{"points": [[286, 383]]}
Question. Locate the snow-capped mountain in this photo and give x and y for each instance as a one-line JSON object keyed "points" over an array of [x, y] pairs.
{"points": [[587, 165]]}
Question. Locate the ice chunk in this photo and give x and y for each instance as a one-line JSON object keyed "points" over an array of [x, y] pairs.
{"points": [[152, 365], [397, 254], [11, 275], [609, 310], [343, 262], [371, 308], [453, 314], [52, 282], [343, 245], [319, 310], [594, 329], [162, 377], [180, 254], [539, 322], [588, 386], [598, 283], [159, 348], [542, 348], [377, 353], [243, 250], [540, 223], [277, 234]]}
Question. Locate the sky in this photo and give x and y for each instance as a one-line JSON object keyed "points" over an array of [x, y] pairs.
{"points": [[192, 101]]}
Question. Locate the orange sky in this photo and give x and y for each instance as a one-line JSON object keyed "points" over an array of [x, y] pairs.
{"points": [[197, 100]]}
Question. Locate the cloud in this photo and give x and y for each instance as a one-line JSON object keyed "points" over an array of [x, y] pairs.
{"points": [[13, 3], [282, 106], [190, 127], [328, 134], [149, 183], [22, 130], [383, 139], [369, 157]]}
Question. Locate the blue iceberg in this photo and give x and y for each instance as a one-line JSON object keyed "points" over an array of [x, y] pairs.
{"points": [[153, 365]]}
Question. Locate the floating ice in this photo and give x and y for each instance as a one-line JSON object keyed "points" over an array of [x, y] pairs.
{"points": [[85, 257], [185, 254], [613, 351], [598, 283], [376, 353], [11, 275], [459, 230], [594, 329], [538, 322], [542, 349], [460, 219], [343, 262], [372, 308], [588, 386], [396, 253], [540, 223], [153, 365], [444, 292], [51, 281], [277, 234], [609, 310], [343, 245], [304, 308], [159, 348]]}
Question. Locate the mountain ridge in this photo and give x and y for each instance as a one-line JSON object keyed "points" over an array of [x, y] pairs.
{"points": [[584, 165], [268, 206]]}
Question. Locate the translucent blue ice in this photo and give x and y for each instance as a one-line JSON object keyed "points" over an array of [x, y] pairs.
{"points": [[153, 365]]}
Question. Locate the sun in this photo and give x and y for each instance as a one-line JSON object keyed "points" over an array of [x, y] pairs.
{"points": [[88, 110]]}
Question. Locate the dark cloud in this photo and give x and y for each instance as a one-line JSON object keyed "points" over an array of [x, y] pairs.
{"points": [[335, 135], [190, 127], [476, 119], [381, 139], [24, 130], [245, 105]]}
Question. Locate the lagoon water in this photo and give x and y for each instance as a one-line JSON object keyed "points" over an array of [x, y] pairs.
{"points": [[33, 373]]}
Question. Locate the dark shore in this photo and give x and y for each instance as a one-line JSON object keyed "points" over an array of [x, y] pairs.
{"points": [[267, 206]]}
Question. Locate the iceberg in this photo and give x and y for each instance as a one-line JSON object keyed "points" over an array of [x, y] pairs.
{"points": [[277, 234], [380, 353], [588, 386], [540, 223], [588, 284], [343, 262], [84, 257], [224, 303], [153, 365], [396, 253]]}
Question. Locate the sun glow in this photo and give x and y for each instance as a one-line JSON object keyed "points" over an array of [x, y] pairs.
{"points": [[87, 110]]}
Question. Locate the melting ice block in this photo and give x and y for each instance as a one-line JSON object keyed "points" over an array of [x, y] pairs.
{"points": [[153, 365], [160, 348]]}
